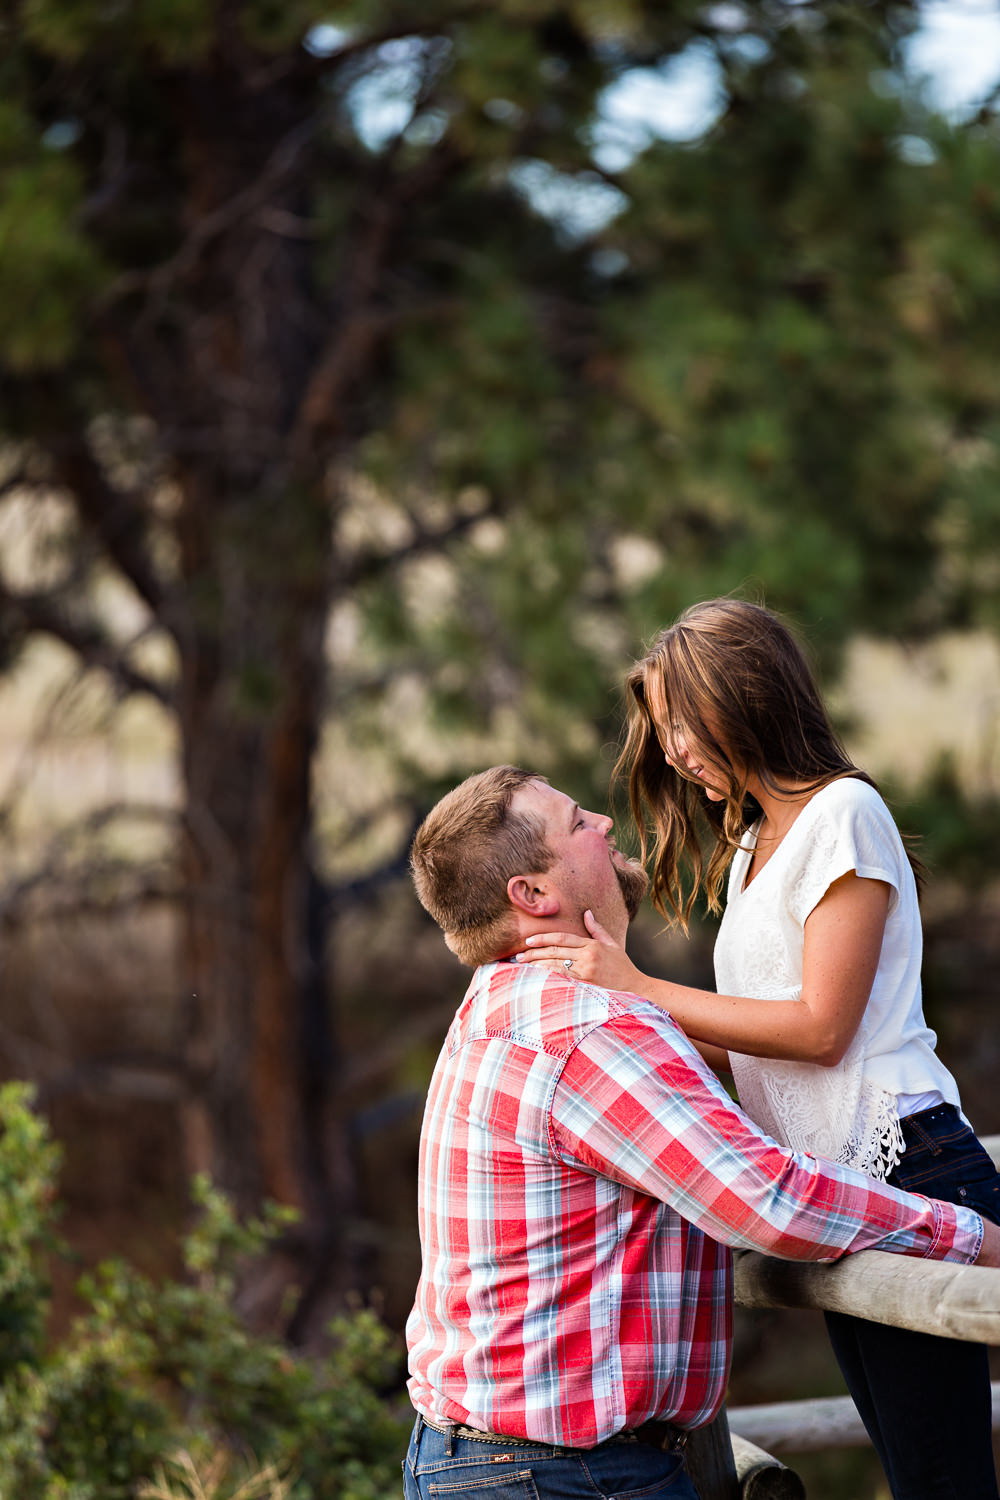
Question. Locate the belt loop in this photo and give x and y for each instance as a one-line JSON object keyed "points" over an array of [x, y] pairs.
{"points": [[418, 1430], [449, 1439]]}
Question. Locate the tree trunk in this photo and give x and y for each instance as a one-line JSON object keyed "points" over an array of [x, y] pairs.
{"points": [[255, 561], [247, 928], [224, 356]]}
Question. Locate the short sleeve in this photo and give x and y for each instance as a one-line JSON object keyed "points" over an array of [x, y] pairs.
{"points": [[849, 828]]}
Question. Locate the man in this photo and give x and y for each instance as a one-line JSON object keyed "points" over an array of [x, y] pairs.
{"points": [[582, 1177]]}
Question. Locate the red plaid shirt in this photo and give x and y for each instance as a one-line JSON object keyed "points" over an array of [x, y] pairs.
{"points": [[582, 1175]]}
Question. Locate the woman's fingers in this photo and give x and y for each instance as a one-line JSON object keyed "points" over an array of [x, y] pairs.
{"points": [[599, 933], [585, 957], [555, 948], [528, 955], [555, 940]]}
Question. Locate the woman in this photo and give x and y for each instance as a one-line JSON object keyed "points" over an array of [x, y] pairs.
{"points": [[818, 1013]]}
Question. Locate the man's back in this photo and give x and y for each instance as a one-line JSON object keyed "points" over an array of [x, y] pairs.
{"points": [[552, 1294], [581, 1174]]}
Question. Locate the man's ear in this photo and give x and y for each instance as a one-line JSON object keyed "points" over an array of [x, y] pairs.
{"points": [[534, 895]]}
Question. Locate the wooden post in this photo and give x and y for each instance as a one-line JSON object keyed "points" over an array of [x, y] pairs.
{"points": [[710, 1462], [725, 1467], [762, 1477]]}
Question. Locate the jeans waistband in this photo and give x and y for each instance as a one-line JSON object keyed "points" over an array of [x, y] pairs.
{"points": [[940, 1123], [654, 1434]]}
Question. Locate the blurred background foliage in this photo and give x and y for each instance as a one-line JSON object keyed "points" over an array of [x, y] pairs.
{"points": [[369, 394]]}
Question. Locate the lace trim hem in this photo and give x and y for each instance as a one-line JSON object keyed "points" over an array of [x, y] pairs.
{"points": [[878, 1152]]}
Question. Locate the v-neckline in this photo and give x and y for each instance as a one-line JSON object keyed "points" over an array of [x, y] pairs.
{"points": [[746, 883]]}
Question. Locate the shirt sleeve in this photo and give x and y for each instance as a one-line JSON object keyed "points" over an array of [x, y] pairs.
{"points": [[634, 1102], [849, 828]]}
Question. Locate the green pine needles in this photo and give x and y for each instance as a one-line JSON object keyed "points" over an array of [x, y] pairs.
{"points": [[160, 1391]]}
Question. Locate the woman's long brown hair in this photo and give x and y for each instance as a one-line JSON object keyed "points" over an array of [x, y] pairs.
{"points": [[735, 678]]}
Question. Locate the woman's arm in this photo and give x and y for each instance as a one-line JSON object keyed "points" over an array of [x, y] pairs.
{"points": [[842, 940]]}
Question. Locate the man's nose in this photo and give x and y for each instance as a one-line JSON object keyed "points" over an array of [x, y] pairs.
{"points": [[600, 822]]}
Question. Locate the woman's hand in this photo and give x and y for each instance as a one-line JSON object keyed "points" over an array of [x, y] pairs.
{"points": [[597, 959], [600, 960]]}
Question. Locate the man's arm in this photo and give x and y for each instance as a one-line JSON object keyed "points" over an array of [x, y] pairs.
{"points": [[636, 1103]]}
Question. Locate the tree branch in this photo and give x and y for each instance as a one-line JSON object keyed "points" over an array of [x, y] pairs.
{"points": [[348, 354], [318, 66], [50, 874], [373, 564], [39, 612], [76, 903], [116, 518], [210, 226], [361, 890], [147, 1078], [19, 480]]}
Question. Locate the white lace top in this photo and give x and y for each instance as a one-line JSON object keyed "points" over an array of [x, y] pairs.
{"points": [[848, 1113]]}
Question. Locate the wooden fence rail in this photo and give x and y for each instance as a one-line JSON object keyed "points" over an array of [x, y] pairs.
{"points": [[810, 1426], [936, 1297], [930, 1296]]}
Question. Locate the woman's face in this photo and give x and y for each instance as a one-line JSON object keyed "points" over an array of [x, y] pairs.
{"points": [[683, 751]]}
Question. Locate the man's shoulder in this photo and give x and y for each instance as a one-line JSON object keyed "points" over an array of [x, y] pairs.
{"points": [[535, 1007]]}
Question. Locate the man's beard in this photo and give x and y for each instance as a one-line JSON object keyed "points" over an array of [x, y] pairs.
{"points": [[634, 884]]}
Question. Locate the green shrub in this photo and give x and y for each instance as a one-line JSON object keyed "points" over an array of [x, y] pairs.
{"points": [[29, 1163], [157, 1378]]}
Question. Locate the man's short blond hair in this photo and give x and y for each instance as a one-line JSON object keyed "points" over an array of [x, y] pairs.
{"points": [[464, 854]]}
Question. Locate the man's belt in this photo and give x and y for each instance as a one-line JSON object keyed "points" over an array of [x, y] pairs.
{"points": [[653, 1434]]}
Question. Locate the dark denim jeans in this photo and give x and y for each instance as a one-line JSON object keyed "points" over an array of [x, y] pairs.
{"points": [[475, 1469], [925, 1401]]}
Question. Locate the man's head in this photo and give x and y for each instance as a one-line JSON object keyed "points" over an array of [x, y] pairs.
{"points": [[505, 855]]}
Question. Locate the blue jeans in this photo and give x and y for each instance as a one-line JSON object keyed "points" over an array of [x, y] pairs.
{"points": [[925, 1401], [476, 1469]]}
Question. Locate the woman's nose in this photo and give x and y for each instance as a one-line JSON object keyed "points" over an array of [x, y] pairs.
{"points": [[674, 746]]}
